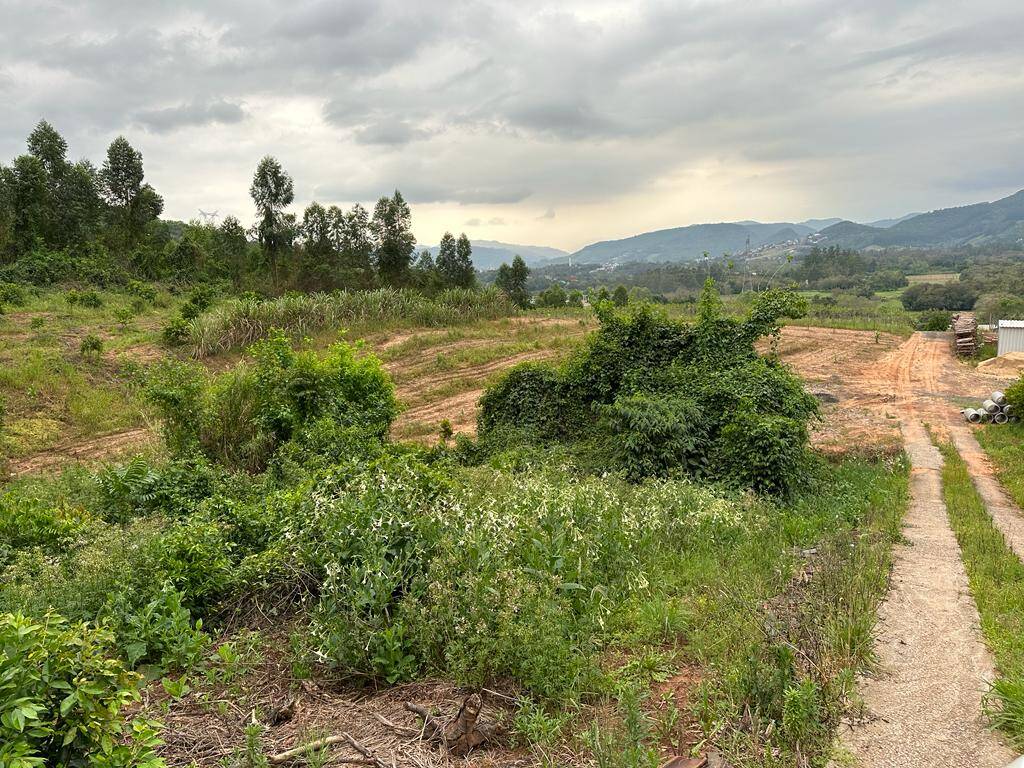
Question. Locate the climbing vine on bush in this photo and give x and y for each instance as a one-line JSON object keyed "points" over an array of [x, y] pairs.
{"points": [[656, 396]]}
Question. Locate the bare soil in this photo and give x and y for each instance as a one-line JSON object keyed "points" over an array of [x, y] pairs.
{"points": [[92, 450]]}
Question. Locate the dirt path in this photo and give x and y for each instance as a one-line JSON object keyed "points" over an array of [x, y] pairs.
{"points": [[89, 450], [924, 705]]}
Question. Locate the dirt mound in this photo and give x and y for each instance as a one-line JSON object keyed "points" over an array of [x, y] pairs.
{"points": [[1010, 364]]}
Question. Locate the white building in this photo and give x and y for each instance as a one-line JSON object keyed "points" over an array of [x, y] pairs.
{"points": [[1011, 336]]}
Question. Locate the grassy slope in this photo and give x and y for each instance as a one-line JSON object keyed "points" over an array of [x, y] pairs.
{"points": [[53, 393], [997, 583]]}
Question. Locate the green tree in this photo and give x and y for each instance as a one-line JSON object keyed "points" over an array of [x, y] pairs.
{"points": [[512, 280], [30, 202], [80, 204], [319, 253], [455, 261], [356, 247], [392, 232], [620, 296], [272, 191], [133, 203], [464, 256], [233, 249], [7, 182], [553, 296], [50, 147]]}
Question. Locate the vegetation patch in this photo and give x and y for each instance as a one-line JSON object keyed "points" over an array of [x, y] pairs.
{"points": [[655, 397], [241, 322], [996, 577]]}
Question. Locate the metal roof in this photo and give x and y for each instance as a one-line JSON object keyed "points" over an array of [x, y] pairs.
{"points": [[1011, 323]]}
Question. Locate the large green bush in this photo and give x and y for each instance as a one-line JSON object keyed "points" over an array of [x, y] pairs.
{"points": [[63, 698], [654, 396]]}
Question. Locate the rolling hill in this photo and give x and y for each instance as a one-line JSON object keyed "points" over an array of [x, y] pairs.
{"points": [[490, 254], [1002, 220], [689, 243]]}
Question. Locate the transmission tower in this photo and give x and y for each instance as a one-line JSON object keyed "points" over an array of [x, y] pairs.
{"points": [[209, 218]]}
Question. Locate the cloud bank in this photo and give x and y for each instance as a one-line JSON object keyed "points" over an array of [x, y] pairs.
{"points": [[620, 116]]}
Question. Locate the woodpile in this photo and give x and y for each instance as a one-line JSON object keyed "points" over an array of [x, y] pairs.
{"points": [[965, 334]]}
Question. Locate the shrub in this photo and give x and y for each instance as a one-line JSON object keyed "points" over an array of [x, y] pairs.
{"points": [[177, 332], [90, 299], [665, 394], [159, 632], [141, 290], [934, 320], [764, 452], [241, 417], [12, 293], [658, 433], [62, 698], [1015, 394], [530, 398], [91, 346]]}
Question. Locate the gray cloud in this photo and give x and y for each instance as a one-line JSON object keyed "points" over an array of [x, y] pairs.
{"points": [[192, 114], [387, 133], [873, 107]]}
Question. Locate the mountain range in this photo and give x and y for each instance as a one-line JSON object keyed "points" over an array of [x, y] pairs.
{"points": [[1002, 220], [491, 254], [999, 221]]}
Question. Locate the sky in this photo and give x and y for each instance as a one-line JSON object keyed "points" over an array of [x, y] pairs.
{"points": [[543, 123]]}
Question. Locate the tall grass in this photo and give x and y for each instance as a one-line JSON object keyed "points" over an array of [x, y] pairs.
{"points": [[241, 322], [996, 577]]}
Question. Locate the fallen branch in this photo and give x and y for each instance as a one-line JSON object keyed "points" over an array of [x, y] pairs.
{"points": [[367, 758], [291, 754]]}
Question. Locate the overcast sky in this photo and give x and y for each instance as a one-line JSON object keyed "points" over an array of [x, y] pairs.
{"points": [[548, 123]]}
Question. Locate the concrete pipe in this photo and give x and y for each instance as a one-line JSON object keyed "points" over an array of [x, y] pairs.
{"points": [[1008, 409], [999, 398], [1000, 418], [1013, 419], [990, 407], [972, 416]]}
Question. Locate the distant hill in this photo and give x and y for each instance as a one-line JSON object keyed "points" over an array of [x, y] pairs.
{"points": [[689, 243], [969, 224], [490, 254], [819, 224], [886, 223], [980, 223]]}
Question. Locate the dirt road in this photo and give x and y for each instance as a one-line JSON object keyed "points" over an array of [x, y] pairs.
{"points": [[924, 704]]}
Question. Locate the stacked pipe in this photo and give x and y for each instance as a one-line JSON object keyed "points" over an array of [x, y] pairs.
{"points": [[995, 410]]}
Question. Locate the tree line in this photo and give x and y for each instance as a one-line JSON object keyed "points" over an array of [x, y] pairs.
{"points": [[71, 221]]}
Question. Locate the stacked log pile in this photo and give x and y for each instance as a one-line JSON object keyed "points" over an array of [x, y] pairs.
{"points": [[965, 334]]}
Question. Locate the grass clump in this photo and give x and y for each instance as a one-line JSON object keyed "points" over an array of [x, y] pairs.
{"points": [[996, 577]]}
